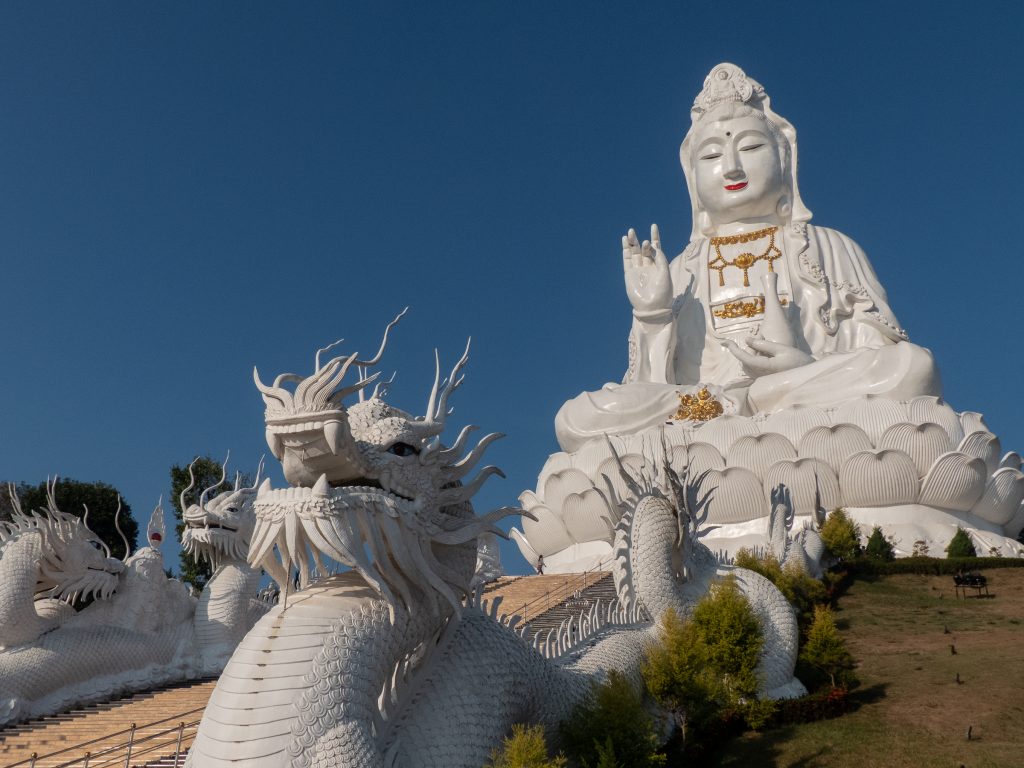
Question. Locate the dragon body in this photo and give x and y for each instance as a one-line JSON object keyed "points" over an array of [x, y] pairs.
{"points": [[396, 662]]}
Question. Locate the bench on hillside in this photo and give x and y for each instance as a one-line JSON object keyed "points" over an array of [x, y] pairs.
{"points": [[965, 581]]}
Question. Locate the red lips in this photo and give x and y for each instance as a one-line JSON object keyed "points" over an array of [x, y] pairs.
{"points": [[734, 187]]}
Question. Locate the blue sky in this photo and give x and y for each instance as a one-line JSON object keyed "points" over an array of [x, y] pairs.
{"points": [[189, 189]]}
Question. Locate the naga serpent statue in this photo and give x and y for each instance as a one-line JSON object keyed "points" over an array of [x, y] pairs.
{"points": [[219, 530], [394, 662], [143, 630]]}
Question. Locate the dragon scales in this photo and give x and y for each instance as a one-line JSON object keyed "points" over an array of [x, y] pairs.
{"points": [[394, 662]]}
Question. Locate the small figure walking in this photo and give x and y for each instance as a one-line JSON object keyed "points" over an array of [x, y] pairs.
{"points": [[540, 565]]}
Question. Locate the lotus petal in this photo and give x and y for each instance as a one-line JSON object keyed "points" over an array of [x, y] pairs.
{"points": [[878, 479], [680, 433], [924, 443], [1016, 524], [547, 534], [1011, 460], [758, 452], [985, 446], [610, 469], [528, 500], [872, 413], [807, 480], [561, 484], [737, 496], [528, 552], [794, 422], [955, 481], [1002, 497], [935, 410], [556, 463], [698, 456], [726, 430], [973, 422], [590, 457], [584, 516], [834, 444]]}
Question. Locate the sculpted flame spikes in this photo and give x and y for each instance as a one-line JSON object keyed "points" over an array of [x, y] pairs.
{"points": [[815, 385]]}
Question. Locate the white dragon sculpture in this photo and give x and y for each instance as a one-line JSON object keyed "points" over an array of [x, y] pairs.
{"points": [[219, 530], [394, 663], [144, 630]]}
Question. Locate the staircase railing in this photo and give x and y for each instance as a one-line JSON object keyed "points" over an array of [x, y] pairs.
{"points": [[580, 582], [126, 754]]}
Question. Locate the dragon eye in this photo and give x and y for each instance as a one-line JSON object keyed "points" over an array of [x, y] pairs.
{"points": [[403, 449], [95, 544]]}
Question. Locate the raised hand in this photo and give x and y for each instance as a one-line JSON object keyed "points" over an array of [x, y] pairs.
{"points": [[648, 283], [771, 357]]}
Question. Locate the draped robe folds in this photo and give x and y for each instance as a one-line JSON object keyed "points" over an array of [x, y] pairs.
{"points": [[839, 313]]}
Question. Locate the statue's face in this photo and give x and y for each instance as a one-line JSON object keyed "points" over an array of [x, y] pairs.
{"points": [[737, 169]]}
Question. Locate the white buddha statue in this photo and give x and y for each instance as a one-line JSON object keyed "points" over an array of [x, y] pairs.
{"points": [[762, 308]]}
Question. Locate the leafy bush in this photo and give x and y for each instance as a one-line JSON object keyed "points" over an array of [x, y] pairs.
{"points": [[825, 650], [612, 728], [803, 591], [960, 545], [841, 535], [767, 564], [705, 669], [879, 547], [525, 748]]}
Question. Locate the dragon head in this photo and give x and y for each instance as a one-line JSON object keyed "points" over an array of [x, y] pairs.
{"points": [[220, 526], [75, 561], [373, 487]]}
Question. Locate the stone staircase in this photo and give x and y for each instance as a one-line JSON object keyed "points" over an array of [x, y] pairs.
{"points": [[102, 730]]}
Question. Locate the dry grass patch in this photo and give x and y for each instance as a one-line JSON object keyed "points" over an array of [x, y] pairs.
{"points": [[912, 711]]}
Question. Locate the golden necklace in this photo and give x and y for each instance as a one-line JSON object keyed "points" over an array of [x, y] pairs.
{"points": [[745, 260]]}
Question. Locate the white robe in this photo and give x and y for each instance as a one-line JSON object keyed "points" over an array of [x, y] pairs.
{"points": [[841, 317]]}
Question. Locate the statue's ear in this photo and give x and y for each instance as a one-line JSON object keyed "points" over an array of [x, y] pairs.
{"points": [[704, 223], [784, 208]]}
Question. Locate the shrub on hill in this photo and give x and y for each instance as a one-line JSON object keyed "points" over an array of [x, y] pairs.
{"points": [[802, 590], [704, 669], [612, 728], [878, 547], [841, 535], [960, 545], [825, 650], [525, 748]]}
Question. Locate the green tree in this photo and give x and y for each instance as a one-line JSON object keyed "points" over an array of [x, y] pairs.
{"points": [[960, 545], [841, 535], [879, 547], [525, 748], [766, 564], [612, 725], [707, 665], [207, 472], [73, 496], [825, 649]]}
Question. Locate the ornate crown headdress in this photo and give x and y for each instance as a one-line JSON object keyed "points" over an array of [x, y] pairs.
{"points": [[724, 83]]}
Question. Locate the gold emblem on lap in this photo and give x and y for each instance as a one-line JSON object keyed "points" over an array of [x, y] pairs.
{"points": [[700, 407]]}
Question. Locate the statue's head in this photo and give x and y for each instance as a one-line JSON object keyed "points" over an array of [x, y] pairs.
{"points": [[219, 527], [739, 157]]}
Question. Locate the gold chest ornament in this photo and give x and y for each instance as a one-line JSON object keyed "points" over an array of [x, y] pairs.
{"points": [[745, 260]]}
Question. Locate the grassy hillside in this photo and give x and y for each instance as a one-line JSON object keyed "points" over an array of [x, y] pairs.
{"points": [[911, 711]]}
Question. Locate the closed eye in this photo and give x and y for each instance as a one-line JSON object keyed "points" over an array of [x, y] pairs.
{"points": [[751, 147], [711, 156]]}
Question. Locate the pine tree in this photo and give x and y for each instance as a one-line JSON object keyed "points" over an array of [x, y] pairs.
{"points": [[879, 547], [841, 535], [825, 648], [960, 545]]}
